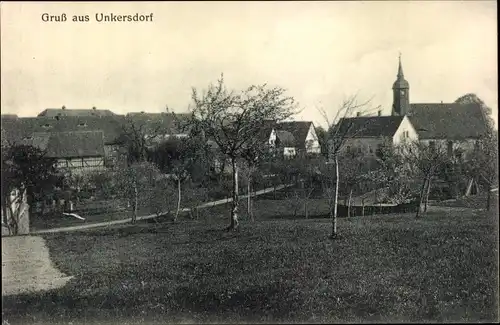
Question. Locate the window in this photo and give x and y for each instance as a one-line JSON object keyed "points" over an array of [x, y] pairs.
{"points": [[82, 124]]}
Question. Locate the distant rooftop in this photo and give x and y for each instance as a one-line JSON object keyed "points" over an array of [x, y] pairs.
{"points": [[63, 111]]}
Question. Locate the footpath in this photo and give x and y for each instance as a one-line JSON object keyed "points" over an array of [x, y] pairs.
{"points": [[151, 216]]}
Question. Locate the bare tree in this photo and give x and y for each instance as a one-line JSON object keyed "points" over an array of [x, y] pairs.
{"points": [[233, 121], [136, 182], [425, 159], [394, 173], [340, 130]]}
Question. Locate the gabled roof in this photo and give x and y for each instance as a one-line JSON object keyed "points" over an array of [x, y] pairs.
{"points": [[68, 144], [369, 126], [18, 129], [447, 120], [53, 112], [298, 129], [285, 139], [39, 140], [166, 122]]}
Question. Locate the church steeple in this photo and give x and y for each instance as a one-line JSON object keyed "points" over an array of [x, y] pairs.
{"points": [[401, 96], [400, 69]]}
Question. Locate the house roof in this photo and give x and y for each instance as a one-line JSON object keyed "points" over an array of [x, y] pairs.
{"points": [[166, 122], [298, 129], [447, 120], [266, 130], [369, 126], [9, 116], [20, 128], [285, 139], [53, 112], [68, 144]]}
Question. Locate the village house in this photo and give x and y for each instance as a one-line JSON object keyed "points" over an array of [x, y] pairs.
{"points": [[156, 126], [292, 137], [453, 125], [77, 152], [367, 134]]}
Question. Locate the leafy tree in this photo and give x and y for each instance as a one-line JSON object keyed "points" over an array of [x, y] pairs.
{"points": [[394, 173], [178, 157], [471, 98], [483, 162], [28, 172], [323, 140], [233, 121]]}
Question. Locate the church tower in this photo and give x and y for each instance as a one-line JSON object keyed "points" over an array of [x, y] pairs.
{"points": [[401, 96]]}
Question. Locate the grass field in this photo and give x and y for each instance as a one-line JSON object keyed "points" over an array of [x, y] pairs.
{"points": [[383, 268]]}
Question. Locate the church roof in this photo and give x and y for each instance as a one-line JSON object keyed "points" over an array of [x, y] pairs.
{"points": [[447, 120], [369, 126]]}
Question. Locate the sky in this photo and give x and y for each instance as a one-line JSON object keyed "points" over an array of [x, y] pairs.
{"points": [[320, 52]]}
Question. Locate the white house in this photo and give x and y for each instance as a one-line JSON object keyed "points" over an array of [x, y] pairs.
{"points": [[368, 133]]}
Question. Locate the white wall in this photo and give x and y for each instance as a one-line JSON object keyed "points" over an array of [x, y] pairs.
{"points": [[368, 146], [405, 132], [272, 138], [81, 165], [289, 151], [312, 138]]}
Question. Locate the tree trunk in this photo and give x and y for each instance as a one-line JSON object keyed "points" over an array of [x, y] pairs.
{"points": [[13, 217], [178, 199], [249, 198], [349, 204], [427, 194], [335, 199], [469, 187], [421, 197], [234, 210], [488, 200], [136, 202]]}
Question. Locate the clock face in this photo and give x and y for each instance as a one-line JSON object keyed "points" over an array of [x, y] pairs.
{"points": [[402, 92]]}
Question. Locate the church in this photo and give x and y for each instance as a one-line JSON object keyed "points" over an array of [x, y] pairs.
{"points": [[453, 125]]}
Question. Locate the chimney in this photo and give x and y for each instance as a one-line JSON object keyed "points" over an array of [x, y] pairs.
{"points": [[358, 114], [379, 113], [441, 102], [63, 107]]}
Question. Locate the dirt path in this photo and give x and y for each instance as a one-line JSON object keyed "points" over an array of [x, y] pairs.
{"points": [[151, 216], [26, 266]]}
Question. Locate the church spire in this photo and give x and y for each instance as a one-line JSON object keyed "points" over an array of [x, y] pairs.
{"points": [[400, 69]]}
